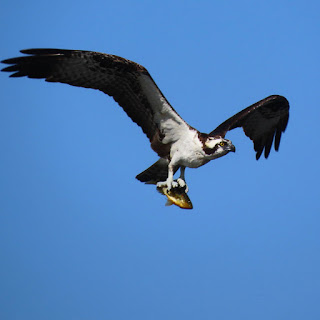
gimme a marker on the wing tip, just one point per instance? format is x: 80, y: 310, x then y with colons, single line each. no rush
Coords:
x: 43, y: 51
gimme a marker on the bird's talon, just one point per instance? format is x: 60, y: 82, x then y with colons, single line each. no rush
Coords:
x: 181, y: 182
x: 174, y: 184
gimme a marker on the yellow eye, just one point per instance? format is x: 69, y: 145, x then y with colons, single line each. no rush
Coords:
x: 221, y: 143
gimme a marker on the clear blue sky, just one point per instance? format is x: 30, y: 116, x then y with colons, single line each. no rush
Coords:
x: 82, y: 239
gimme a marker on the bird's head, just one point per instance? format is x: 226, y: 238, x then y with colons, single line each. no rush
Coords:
x: 218, y: 147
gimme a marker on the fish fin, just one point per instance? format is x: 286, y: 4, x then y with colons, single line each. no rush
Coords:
x: 169, y: 203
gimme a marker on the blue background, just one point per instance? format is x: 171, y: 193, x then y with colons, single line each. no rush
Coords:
x: 82, y: 239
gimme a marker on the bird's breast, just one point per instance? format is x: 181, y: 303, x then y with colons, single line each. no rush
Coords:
x: 189, y: 153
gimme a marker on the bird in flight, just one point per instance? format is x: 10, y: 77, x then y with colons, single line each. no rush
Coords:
x: 177, y: 144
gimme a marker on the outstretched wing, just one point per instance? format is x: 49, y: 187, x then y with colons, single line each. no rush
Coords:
x: 263, y: 122
x: 127, y: 82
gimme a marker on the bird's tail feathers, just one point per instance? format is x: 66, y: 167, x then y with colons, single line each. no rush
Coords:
x: 157, y: 172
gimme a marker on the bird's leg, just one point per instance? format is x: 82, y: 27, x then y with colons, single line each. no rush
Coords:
x: 181, y: 180
x: 169, y: 183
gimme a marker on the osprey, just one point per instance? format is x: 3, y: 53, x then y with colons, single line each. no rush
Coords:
x: 178, y: 144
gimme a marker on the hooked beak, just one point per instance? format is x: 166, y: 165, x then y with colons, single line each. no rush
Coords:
x: 232, y: 148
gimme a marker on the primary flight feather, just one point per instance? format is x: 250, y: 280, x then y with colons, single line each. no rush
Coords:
x: 178, y: 144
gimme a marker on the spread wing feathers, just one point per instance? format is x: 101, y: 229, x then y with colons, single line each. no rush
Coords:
x: 263, y: 122
x: 129, y: 83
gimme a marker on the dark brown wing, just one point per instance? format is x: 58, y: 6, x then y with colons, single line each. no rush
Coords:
x: 263, y: 122
x: 126, y: 81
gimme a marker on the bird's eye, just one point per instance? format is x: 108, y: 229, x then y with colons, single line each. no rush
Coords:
x: 221, y: 143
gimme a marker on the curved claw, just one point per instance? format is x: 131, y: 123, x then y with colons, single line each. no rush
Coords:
x: 168, y: 184
x: 182, y: 184
x: 179, y: 183
x: 174, y: 184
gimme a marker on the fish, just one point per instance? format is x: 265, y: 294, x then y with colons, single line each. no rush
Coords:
x: 176, y: 196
